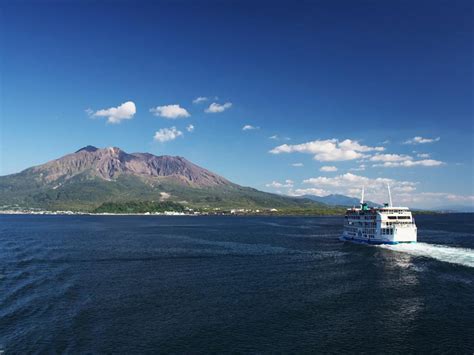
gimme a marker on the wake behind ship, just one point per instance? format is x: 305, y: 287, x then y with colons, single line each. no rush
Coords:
x: 382, y: 225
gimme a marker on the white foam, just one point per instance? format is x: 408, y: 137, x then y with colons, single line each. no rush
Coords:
x: 460, y: 256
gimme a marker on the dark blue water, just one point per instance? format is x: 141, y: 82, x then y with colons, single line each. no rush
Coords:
x: 90, y: 284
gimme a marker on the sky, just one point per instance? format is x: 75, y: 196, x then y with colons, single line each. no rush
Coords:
x: 291, y: 97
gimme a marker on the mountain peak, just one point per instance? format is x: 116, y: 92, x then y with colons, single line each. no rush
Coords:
x: 88, y: 148
x: 111, y: 162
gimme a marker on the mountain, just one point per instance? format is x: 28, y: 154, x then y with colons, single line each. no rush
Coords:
x: 339, y: 200
x: 90, y: 177
x: 110, y: 163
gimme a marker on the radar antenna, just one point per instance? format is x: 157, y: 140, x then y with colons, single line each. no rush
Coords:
x: 389, y: 196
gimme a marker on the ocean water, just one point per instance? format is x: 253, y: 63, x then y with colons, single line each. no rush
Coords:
x: 110, y: 284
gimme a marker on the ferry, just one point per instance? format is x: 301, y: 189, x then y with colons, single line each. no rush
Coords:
x: 379, y: 225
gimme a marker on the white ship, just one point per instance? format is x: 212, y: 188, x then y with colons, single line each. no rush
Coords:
x: 379, y: 225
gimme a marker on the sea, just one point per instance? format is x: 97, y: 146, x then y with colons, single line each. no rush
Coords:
x: 220, y: 284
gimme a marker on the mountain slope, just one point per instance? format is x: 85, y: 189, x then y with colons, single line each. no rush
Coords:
x: 110, y: 163
x: 91, y: 176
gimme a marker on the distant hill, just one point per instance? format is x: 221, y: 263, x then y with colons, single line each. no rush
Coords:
x: 455, y: 209
x: 339, y: 200
x: 90, y: 177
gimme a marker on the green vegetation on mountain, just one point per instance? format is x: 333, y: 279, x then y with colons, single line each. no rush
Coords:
x: 139, y: 207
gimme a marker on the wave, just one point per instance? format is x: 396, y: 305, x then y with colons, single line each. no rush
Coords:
x: 453, y: 255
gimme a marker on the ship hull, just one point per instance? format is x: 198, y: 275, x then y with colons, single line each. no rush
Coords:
x: 374, y: 241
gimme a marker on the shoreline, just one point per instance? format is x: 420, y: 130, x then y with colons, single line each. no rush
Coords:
x: 195, y: 214
x: 161, y: 214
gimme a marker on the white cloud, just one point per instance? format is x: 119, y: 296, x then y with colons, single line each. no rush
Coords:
x: 421, y: 140
x: 278, y: 138
x: 309, y: 191
x: 423, y: 155
x: 200, y: 99
x: 354, y: 145
x: 404, y: 193
x: 434, y: 199
x: 328, y: 169
x: 350, y: 184
x: 276, y: 184
x: 361, y: 167
x: 216, y: 108
x: 297, y: 165
x: 125, y: 111
x: 405, y: 161
x: 390, y: 157
x: 409, y: 163
x: 170, y: 111
x: 89, y: 111
x: 328, y: 150
x: 248, y: 127
x: 167, y: 134
x: 190, y: 128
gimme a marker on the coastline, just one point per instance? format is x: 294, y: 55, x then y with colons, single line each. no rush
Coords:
x: 166, y: 214
x: 197, y: 214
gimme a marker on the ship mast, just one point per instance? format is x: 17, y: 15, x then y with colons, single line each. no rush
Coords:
x: 389, y: 196
x: 362, y: 197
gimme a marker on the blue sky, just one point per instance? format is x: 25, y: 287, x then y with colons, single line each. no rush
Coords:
x: 337, y: 84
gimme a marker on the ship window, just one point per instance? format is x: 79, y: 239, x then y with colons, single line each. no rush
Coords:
x: 392, y: 217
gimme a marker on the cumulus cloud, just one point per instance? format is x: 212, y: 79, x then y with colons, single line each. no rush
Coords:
x: 328, y: 168
x: 421, y: 140
x: 329, y: 149
x: 433, y: 199
x: 167, y: 134
x: 390, y: 157
x: 190, y: 128
x: 276, y: 184
x: 200, y: 99
x: 248, y: 127
x: 309, y: 191
x: 404, y: 193
x: 170, y: 111
x: 409, y: 163
x: 405, y: 161
x: 297, y: 165
x: 361, y: 167
x: 351, y: 185
x: 278, y: 138
x: 423, y: 155
x: 443, y: 196
x: 216, y: 108
x: 125, y: 111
